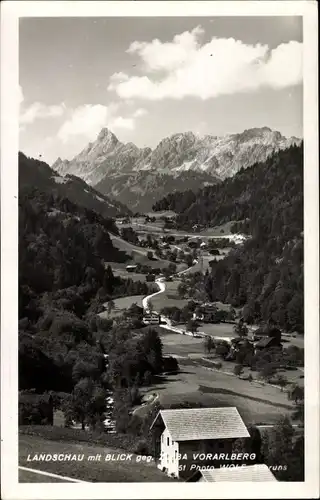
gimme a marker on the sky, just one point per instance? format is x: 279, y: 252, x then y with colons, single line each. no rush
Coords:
x: 148, y: 78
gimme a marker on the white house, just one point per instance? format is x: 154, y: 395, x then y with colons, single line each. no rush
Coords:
x: 151, y: 318
x: 131, y: 268
x: 185, y: 438
x: 245, y: 473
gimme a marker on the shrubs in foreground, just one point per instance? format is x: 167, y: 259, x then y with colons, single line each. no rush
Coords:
x: 127, y: 442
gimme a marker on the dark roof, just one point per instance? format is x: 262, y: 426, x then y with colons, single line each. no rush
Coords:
x: 265, y: 341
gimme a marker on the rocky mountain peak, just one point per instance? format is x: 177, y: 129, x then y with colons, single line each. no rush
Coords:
x: 129, y: 173
x: 107, y: 136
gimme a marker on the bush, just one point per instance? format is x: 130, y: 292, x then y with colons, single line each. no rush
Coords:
x: 222, y: 348
x: 147, y: 378
x: 170, y: 364
x: 238, y: 369
x: 142, y: 448
x: 126, y: 442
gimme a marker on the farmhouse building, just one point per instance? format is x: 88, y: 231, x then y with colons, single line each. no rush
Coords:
x: 185, y: 439
x: 267, y: 343
x: 131, y: 268
x: 151, y: 318
x: 247, y: 473
x: 206, y: 312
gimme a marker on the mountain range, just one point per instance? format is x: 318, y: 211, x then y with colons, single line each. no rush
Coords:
x: 138, y: 177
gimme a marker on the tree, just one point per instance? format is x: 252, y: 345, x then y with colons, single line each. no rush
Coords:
x: 238, y: 369
x: 298, y: 413
x: 231, y: 315
x: 122, y: 409
x: 222, y: 348
x: 280, y: 447
x: 182, y: 290
x: 150, y: 255
x: 281, y: 381
x: 147, y: 378
x: 87, y: 403
x: 296, y: 394
x: 241, y: 329
x: 110, y: 306
x: 192, y: 326
x: 208, y: 344
x: 266, y: 371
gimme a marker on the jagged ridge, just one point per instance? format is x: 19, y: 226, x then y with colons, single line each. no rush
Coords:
x: 181, y: 161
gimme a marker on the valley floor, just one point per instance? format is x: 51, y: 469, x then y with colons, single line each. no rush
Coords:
x: 257, y: 402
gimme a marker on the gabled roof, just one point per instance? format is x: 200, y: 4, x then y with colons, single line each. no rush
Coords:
x: 203, y: 423
x: 265, y: 341
x: 247, y: 473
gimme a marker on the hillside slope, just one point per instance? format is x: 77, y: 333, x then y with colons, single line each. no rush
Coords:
x: 35, y: 173
x: 266, y: 274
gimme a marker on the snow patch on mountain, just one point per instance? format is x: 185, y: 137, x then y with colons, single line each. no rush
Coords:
x: 59, y: 180
x: 121, y: 170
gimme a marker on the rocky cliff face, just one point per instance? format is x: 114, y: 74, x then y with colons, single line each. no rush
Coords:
x: 137, y: 176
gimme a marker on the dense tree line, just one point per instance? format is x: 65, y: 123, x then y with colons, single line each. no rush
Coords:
x: 63, y: 283
x: 265, y: 274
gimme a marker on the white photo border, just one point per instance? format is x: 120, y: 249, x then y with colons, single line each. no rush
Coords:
x: 11, y: 11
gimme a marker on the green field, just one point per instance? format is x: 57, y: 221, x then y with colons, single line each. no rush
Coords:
x: 138, y: 255
x: 221, y: 230
x: 216, y: 329
x: 257, y: 402
x: 86, y: 470
x: 165, y: 213
x: 169, y: 297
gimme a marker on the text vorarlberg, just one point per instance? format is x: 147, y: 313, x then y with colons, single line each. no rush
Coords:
x: 123, y: 457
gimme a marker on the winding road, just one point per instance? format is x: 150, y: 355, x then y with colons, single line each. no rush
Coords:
x: 166, y: 322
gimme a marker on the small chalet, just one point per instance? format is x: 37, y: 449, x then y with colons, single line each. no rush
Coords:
x: 187, y: 438
x: 151, y: 318
x: 131, y: 268
x: 246, y: 473
x: 207, y: 313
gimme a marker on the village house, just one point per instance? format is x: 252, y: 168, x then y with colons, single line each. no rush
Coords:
x: 267, y: 343
x: 131, y: 268
x: 206, y: 313
x: 247, y: 473
x: 151, y: 318
x: 239, y: 345
x: 187, y: 438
